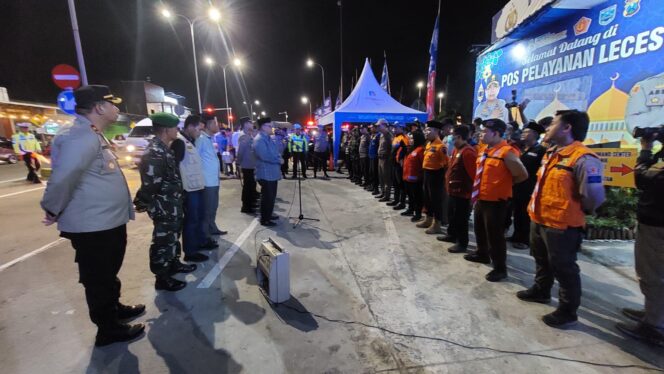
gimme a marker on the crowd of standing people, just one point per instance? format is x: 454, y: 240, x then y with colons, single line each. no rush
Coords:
x: 540, y: 177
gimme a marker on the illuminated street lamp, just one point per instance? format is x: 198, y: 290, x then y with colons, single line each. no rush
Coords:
x: 237, y: 63
x: 305, y: 100
x: 310, y: 64
x: 440, y: 101
x: 215, y: 16
x: 420, y: 84
x: 209, y: 62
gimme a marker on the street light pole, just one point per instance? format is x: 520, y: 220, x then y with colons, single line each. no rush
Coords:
x: 228, y: 113
x: 420, y: 84
x: 77, y: 42
x: 311, y: 63
x: 193, y: 47
x: 214, y: 15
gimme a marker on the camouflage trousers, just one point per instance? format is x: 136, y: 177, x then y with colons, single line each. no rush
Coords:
x: 165, y: 247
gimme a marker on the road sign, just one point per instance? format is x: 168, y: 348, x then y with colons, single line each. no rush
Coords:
x: 619, y: 165
x: 66, y: 101
x: 66, y: 76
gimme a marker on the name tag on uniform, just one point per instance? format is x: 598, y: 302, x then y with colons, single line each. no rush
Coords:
x: 532, y: 154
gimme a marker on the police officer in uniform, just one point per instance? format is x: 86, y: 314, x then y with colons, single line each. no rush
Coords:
x: 87, y: 182
x: 373, y: 160
x: 531, y: 158
x: 160, y: 195
x: 25, y: 144
x: 297, y: 147
x: 246, y: 161
x: 645, y: 107
x: 569, y: 186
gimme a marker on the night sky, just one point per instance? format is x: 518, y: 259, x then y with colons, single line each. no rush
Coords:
x: 129, y: 40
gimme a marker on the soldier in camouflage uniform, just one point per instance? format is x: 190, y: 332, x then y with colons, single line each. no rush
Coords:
x: 161, y: 196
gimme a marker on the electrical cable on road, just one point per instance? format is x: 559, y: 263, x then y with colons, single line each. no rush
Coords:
x: 452, y: 342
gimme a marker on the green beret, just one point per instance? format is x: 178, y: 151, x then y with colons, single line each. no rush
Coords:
x: 162, y: 119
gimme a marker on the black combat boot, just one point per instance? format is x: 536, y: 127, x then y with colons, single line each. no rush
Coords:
x: 167, y: 283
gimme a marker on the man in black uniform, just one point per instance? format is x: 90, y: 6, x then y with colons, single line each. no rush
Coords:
x: 531, y: 158
x: 365, y: 139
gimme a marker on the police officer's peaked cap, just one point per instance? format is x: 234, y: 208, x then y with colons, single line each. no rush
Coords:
x: 535, y: 127
x: 244, y: 120
x: 297, y: 126
x: 87, y: 96
x: 264, y: 120
x: 434, y: 124
x: 381, y: 121
x: 23, y: 124
x: 399, y: 124
x: 494, y: 124
x: 162, y: 119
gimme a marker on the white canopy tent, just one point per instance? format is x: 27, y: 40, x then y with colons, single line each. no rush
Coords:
x: 367, y: 103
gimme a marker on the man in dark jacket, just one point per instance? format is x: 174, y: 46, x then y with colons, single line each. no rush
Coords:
x: 531, y: 157
x: 365, y: 139
x: 384, y: 161
x: 459, y: 186
x: 373, y: 160
x: 246, y: 161
x: 649, y: 247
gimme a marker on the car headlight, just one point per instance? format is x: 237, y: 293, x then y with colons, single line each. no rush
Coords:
x: 131, y: 148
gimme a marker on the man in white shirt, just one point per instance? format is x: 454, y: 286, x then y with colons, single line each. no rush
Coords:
x: 210, y: 162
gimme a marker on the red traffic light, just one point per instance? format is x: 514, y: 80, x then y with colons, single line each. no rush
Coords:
x: 230, y: 117
x: 209, y: 110
x: 310, y: 123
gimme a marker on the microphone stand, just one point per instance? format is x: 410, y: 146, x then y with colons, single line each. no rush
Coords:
x: 301, y: 216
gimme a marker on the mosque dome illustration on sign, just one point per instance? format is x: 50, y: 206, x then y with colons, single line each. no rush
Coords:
x: 607, y: 117
x: 554, y: 106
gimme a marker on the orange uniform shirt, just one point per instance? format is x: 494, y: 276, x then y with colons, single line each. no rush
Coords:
x: 435, y: 156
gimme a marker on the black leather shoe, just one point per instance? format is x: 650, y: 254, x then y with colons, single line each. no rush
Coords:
x: 178, y: 267
x: 126, y: 312
x: 392, y: 203
x: 560, y: 319
x: 384, y: 199
x: 168, y: 284
x: 268, y: 223
x: 642, y: 331
x: 400, y: 207
x: 210, y: 244
x: 120, y: 333
x: 474, y: 257
x: 534, y: 295
x: 634, y: 314
x: 416, y: 218
x: 195, y: 257
x: 457, y: 248
x: 496, y: 276
x: 446, y: 239
x: 517, y: 245
x: 377, y: 193
x: 220, y: 232
x: 248, y: 211
x: 274, y: 218
x: 407, y: 213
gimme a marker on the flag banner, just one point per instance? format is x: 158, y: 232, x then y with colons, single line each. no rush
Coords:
x: 431, y: 80
x: 338, y: 102
x: 385, y: 78
x: 327, y: 106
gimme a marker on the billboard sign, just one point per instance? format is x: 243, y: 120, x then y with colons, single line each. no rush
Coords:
x: 607, y: 60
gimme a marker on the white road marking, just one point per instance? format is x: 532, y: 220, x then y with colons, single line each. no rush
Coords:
x: 20, y: 192
x: 390, y: 228
x: 226, y: 258
x: 33, y: 253
x: 12, y: 180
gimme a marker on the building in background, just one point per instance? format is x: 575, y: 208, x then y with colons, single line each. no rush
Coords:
x: 144, y: 98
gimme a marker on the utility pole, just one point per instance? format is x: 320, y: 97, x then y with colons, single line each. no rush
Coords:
x: 77, y: 41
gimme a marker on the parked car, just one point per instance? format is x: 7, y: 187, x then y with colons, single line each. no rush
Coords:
x: 5, y: 143
x: 137, y: 141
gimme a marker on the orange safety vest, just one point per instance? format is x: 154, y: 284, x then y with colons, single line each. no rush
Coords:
x: 496, y: 178
x: 556, y: 202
